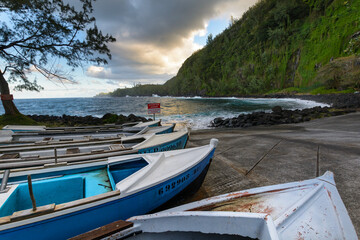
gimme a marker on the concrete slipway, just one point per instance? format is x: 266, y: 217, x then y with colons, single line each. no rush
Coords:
x: 260, y: 156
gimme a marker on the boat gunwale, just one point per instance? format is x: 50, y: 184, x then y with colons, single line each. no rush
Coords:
x: 89, y: 206
x: 201, y: 158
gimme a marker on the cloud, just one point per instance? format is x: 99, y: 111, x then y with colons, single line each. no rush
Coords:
x: 98, y: 72
x: 154, y: 37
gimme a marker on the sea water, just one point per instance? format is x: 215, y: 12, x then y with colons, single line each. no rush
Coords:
x: 194, y: 112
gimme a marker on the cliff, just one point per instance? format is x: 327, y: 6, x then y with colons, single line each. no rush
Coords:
x: 277, y: 46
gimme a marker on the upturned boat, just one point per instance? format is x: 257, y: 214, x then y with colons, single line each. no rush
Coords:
x: 59, y: 203
x: 29, y: 156
x: 310, y: 209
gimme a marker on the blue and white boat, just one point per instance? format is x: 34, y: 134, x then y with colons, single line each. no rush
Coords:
x: 28, y: 156
x: 75, y: 199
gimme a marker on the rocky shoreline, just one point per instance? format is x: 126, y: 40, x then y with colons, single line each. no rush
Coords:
x: 340, y: 104
x: 67, y: 120
x: 342, y: 100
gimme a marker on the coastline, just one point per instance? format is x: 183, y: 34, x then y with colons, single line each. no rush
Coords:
x: 340, y: 104
x: 200, y: 121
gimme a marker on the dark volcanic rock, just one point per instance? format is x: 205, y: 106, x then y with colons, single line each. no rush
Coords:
x: 340, y: 104
x: 278, y: 116
x: 87, y: 120
x: 277, y: 109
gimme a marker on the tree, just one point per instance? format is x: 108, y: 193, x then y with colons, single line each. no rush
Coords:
x: 36, y: 32
x: 209, y: 39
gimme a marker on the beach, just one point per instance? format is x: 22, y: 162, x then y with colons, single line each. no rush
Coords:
x: 267, y: 155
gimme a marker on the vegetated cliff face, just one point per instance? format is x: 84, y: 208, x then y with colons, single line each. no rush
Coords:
x: 277, y: 44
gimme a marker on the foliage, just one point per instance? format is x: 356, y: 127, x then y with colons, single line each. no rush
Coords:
x: 37, y: 33
x: 341, y: 73
x: 139, y: 90
x: 110, y: 118
x: 276, y: 45
x: 16, y: 120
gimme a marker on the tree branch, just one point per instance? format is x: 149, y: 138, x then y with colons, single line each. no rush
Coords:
x: 68, y: 44
x: 48, y: 74
x: 15, y: 43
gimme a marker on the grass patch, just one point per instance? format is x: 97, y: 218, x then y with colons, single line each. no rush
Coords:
x: 314, y: 90
x: 324, y: 90
x: 16, y: 120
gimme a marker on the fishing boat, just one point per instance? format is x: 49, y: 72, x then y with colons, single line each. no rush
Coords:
x: 33, y: 128
x: 310, y: 209
x: 17, y: 146
x: 22, y: 138
x: 58, y: 203
x: 30, y: 156
x: 9, y: 137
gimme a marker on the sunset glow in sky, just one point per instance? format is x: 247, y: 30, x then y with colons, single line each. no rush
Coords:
x: 154, y: 37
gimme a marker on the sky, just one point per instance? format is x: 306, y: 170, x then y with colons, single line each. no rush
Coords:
x: 154, y: 37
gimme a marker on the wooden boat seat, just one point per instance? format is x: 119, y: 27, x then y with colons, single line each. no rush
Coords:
x: 30, y: 157
x: 10, y: 155
x: 72, y: 150
x: 97, y: 151
x: 104, y: 231
x: 41, y: 143
x: 116, y: 147
x: 28, y: 213
x: 65, y: 139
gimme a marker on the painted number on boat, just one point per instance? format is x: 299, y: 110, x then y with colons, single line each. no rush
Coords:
x: 176, y: 183
x: 171, y: 146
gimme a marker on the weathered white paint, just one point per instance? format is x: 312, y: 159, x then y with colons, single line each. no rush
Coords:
x: 310, y: 209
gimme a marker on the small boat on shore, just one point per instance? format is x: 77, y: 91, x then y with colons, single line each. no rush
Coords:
x: 9, y: 137
x: 75, y: 199
x: 310, y: 209
x: 33, y: 128
x: 30, y: 156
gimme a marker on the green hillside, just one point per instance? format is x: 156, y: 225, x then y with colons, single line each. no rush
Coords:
x: 277, y: 46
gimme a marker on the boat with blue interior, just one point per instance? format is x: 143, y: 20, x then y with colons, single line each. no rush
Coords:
x: 61, y: 202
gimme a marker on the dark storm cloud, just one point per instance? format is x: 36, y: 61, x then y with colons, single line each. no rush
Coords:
x: 160, y: 22
x: 155, y: 36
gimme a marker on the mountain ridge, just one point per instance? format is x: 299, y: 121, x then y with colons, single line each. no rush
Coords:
x: 294, y: 46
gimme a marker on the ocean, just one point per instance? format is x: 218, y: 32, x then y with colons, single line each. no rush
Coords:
x: 194, y: 112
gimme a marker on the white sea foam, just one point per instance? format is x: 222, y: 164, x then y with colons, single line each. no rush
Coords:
x: 202, y: 120
x: 294, y: 102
